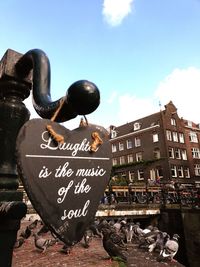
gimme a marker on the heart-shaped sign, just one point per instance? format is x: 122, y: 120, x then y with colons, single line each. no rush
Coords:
x: 64, y: 181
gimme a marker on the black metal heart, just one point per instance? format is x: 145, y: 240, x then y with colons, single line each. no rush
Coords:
x: 63, y: 181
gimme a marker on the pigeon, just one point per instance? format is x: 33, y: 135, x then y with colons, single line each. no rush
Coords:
x: 161, y: 239
x: 117, y: 225
x: 66, y: 249
x: 111, y: 222
x: 42, y: 243
x: 148, y: 229
x: 33, y: 225
x: 113, y: 245
x: 19, y: 242
x: 129, y: 232
x: 43, y: 230
x: 103, y: 223
x: 26, y: 233
x: 94, y: 229
x: 170, y: 249
x: 138, y: 232
x: 148, y: 238
x: 87, y: 238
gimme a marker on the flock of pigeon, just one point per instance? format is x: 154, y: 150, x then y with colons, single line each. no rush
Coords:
x: 117, y: 238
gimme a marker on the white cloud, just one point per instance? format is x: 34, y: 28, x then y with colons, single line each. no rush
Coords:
x: 132, y: 108
x: 182, y: 86
x: 114, y: 11
x: 29, y: 105
x: 112, y: 97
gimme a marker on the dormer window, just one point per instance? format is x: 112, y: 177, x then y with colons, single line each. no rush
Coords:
x: 136, y: 126
x: 113, y: 133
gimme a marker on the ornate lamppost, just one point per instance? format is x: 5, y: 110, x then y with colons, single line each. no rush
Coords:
x: 18, y: 75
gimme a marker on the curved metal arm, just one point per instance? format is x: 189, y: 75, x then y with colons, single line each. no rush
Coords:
x: 82, y: 97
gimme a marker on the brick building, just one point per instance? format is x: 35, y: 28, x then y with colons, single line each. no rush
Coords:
x: 161, y: 147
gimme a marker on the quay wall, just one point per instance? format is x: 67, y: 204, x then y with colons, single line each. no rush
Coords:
x: 186, y: 223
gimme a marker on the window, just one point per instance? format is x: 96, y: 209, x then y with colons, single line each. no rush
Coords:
x: 184, y: 154
x: 121, y: 146
x: 140, y: 174
x: 181, y: 138
x: 171, y: 152
x: 123, y: 175
x: 136, y: 126
x: 155, y: 137
x: 137, y: 141
x: 195, y: 153
x: 131, y: 176
x: 169, y: 135
x: 177, y: 153
x: 173, y: 122
x: 187, y: 172
x: 129, y: 144
x: 114, y: 148
x: 153, y: 174
x: 156, y: 153
x: 175, y: 136
x: 113, y: 133
x: 189, y: 123
x: 173, y: 171
x: 114, y: 161
x: 159, y: 172
x: 197, y: 169
x: 130, y: 158
x: 138, y: 156
x: 193, y: 137
x: 122, y: 160
x: 180, y: 171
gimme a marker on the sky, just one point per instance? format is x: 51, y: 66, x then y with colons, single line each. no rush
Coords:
x: 141, y: 54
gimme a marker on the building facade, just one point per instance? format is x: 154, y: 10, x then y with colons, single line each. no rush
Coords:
x: 159, y: 148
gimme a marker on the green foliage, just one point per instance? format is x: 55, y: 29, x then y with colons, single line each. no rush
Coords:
x: 120, y: 262
x: 139, y: 163
x: 120, y: 180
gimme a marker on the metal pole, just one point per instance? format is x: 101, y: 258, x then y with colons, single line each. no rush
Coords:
x: 13, y: 114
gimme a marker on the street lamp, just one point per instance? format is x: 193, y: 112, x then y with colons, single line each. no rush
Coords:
x: 19, y: 74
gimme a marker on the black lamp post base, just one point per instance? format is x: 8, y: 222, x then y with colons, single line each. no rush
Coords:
x: 11, y: 214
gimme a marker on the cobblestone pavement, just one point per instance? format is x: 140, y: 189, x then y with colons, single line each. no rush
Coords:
x: 29, y: 256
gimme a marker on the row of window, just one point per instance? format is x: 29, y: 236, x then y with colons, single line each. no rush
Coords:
x: 177, y: 153
x: 174, y: 153
x: 154, y: 174
x: 175, y: 136
x: 179, y: 137
x: 180, y: 171
x: 157, y: 173
x: 134, y: 157
x: 129, y: 143
x: 171, y: 136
